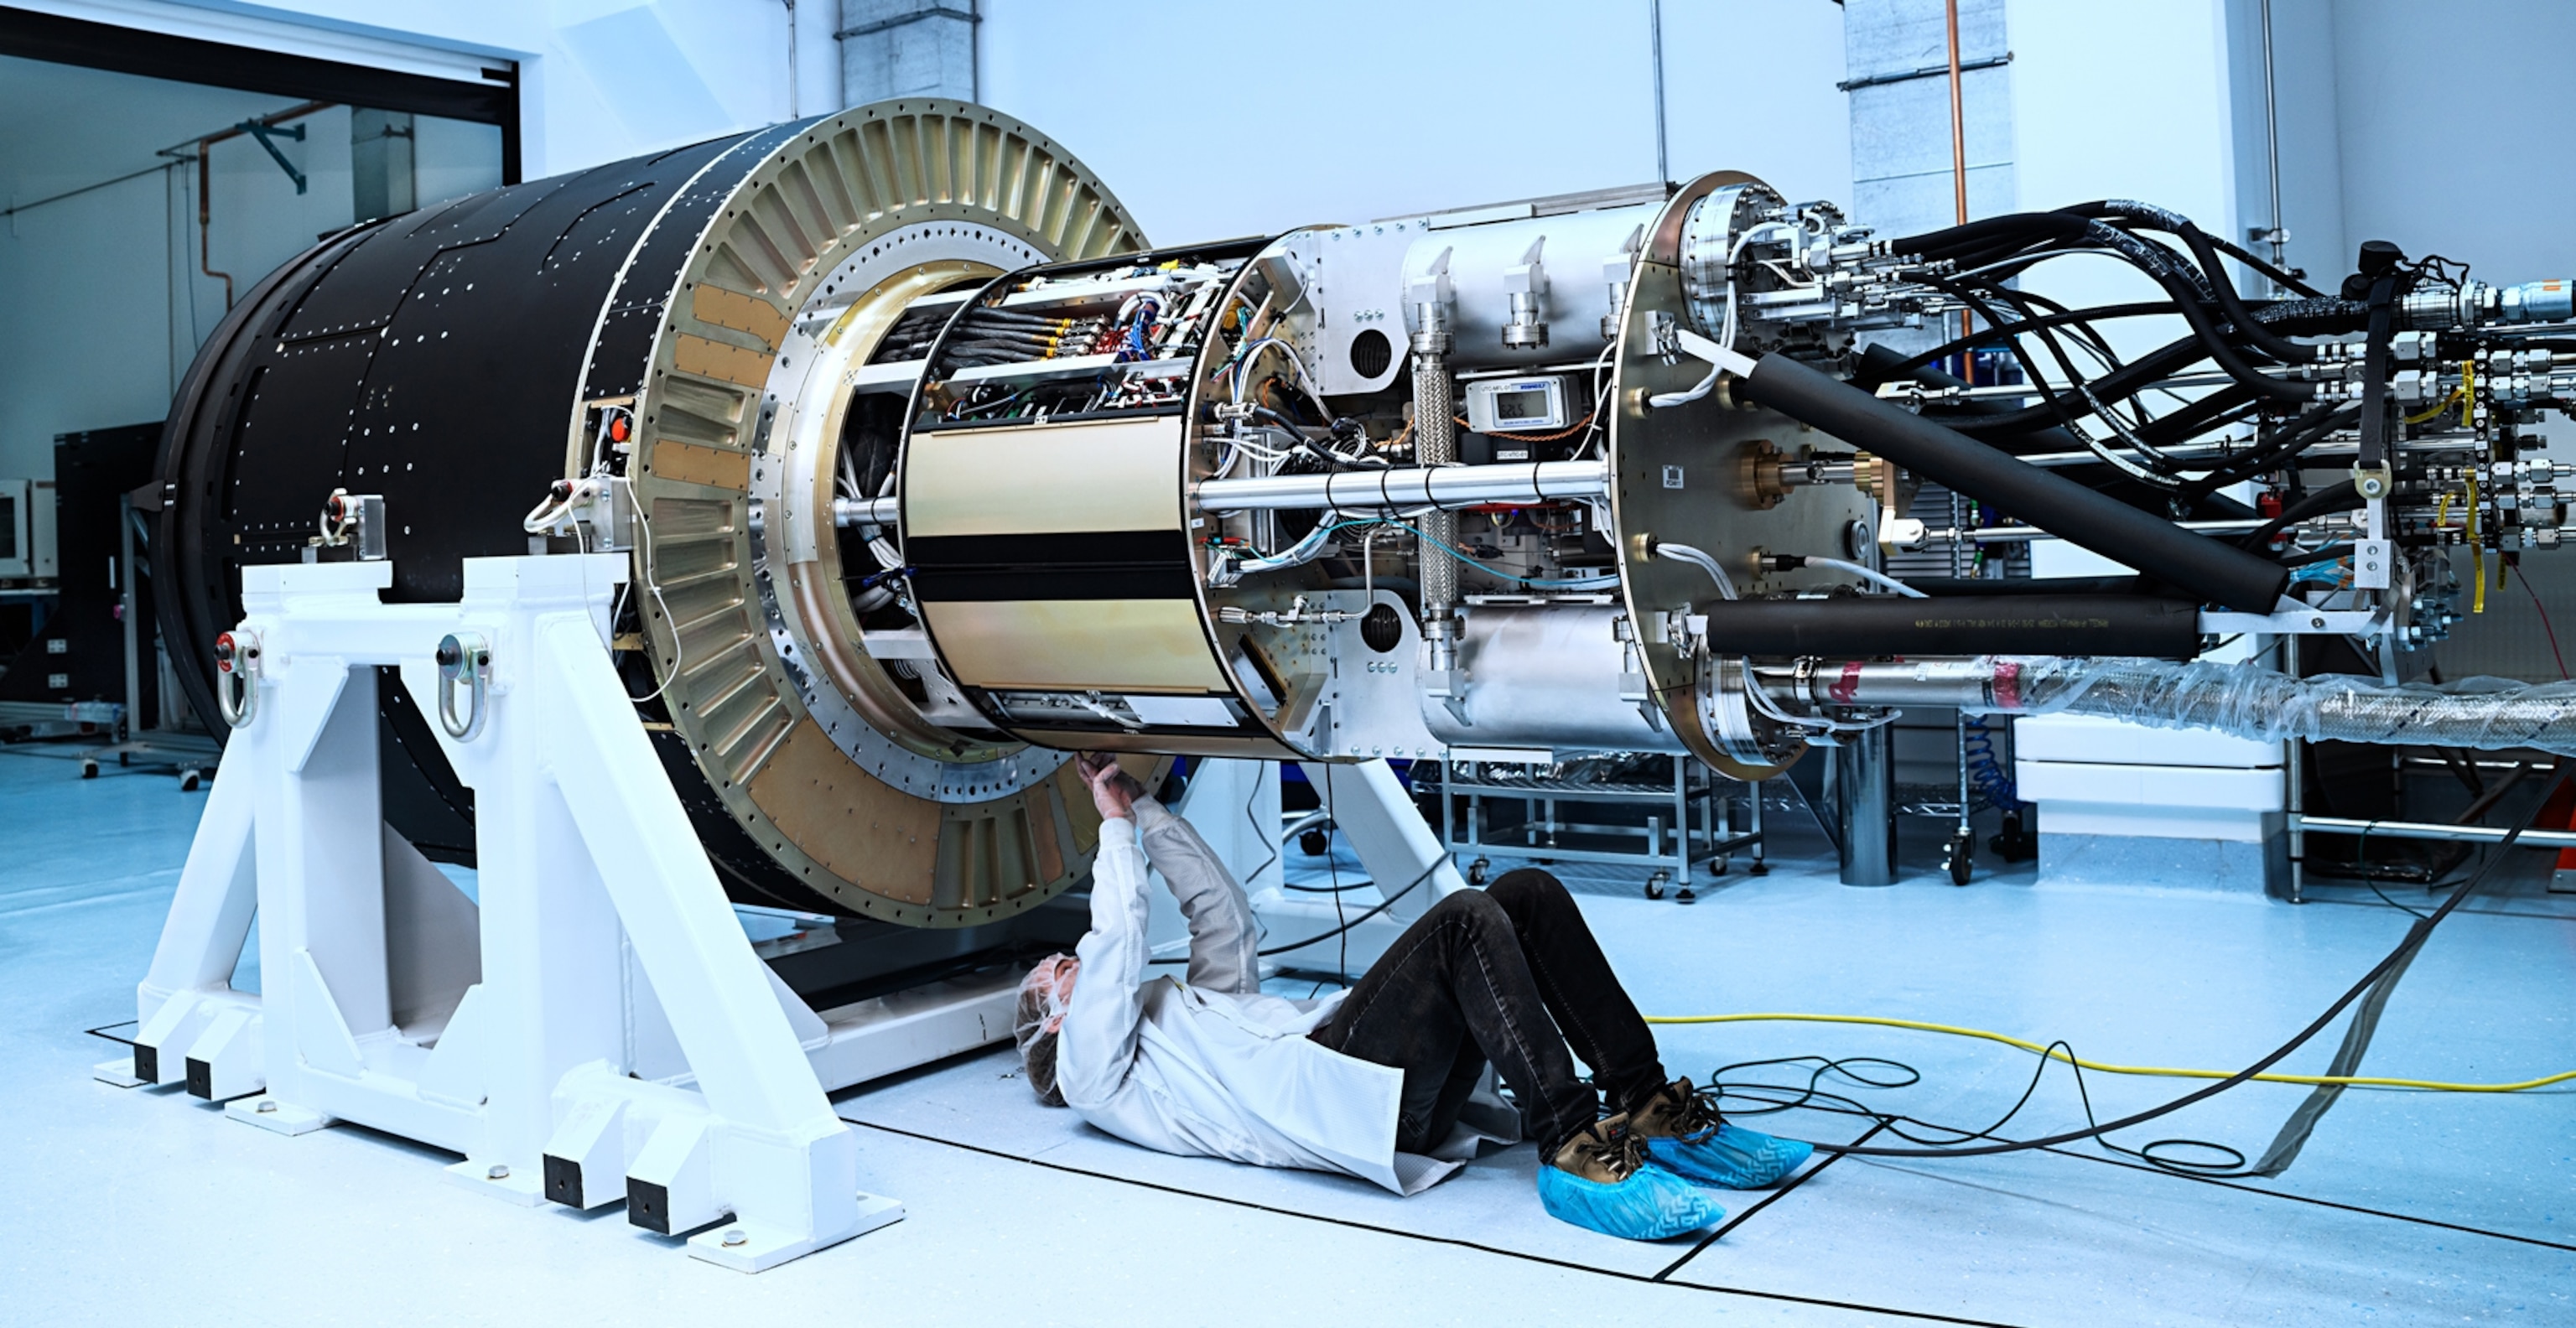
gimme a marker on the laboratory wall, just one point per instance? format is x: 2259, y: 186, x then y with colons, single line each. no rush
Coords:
x: 1236, y: 119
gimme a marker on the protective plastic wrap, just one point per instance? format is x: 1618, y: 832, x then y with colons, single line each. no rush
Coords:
x: 2254, y: 702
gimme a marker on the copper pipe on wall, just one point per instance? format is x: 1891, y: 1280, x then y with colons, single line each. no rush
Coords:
x: 205, y: 223
x: 1959, y: 172
x: 206, y: 181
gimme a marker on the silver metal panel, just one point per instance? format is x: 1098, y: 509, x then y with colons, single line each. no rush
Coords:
x: 1546, y: 676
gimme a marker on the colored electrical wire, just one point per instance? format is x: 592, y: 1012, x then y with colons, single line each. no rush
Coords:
x: 2055, y: 1051
x: 2552, y: 632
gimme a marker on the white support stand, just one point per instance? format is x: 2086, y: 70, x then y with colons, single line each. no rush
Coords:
x: 508, y: 1033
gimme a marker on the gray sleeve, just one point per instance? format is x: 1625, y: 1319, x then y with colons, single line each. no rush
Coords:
x: 1223, y: 937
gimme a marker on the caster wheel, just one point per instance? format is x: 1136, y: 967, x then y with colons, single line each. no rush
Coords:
x: 1961, y: 869
x: 1313, y: 843
x: 1717, y: 868
x: 1479, y: 871
x: 1654, y: 889
x: 189, y: 782
x: 123, y: 758
x: 1685, y: 896
x: 89, y: 769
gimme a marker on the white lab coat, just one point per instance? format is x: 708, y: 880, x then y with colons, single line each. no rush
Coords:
x: 1214, y: 1067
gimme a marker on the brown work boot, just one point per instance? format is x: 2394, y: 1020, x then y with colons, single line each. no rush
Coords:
x: 1605, y: 1152
x: 1601, y: 1180
x: 1682, y: 1132
x: 1678, y: 1110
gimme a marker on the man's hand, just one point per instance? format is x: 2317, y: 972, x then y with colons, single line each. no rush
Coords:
x: 1113, y: 790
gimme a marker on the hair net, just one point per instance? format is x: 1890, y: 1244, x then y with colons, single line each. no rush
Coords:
x: 1035, y: 1018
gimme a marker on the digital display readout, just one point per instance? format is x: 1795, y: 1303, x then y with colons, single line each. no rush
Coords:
x: 1517, y: 406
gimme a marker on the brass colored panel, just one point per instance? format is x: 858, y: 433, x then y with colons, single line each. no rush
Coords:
x: 694, y: 354
x: 1045, y: 479
x: 1043, y: 832
x: 742, y: 313
x: 1111, y: 644
x: 688, y: 463
x: 881, y: 840
x: 841, y: 183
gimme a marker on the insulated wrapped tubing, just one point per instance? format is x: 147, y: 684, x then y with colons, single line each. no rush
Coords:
x: 2215, y: 573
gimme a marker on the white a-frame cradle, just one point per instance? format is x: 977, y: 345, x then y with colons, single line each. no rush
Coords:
x: 510, y: 1033
x: 599, y: 1028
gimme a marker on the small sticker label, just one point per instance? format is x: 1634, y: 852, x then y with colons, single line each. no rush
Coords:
x: 1672, y: 477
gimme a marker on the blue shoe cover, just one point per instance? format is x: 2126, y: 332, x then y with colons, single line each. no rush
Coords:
x: 1651, y: 1204
x: 1730, y: 1156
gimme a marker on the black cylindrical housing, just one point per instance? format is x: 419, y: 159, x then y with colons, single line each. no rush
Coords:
x: 2179, y: 558
x: 1951, y: 586
x: 1871, y: 625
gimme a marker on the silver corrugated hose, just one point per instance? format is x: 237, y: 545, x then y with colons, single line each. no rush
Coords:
x: 2252, y: 702
x: 1435, y: 443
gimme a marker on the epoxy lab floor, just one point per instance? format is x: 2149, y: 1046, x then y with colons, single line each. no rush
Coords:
x: 2404, y: 1207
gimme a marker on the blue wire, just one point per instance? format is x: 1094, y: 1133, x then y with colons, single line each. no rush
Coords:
x: 1985, y: 768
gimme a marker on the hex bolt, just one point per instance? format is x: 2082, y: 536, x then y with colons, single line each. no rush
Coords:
x: 266, y: 1105
x: 497, y: 1171
x: 734, y: 1236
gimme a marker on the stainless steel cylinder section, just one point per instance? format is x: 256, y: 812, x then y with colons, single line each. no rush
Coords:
x: 1864, y: 796
x: 1578, y: 258
x: 1546, y: 675
x: 1923, y: 682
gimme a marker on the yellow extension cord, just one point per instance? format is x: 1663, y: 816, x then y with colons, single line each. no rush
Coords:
x: 2159, y: 1071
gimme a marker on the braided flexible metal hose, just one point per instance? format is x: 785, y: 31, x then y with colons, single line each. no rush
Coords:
x: 2250, y: 702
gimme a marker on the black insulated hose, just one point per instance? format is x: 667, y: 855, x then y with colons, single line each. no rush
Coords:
x: 1866, y: 625
x: 2204, y: 568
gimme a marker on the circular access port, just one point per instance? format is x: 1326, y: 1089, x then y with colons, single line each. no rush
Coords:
x: 1382, y: 628
x: 1371, y: 352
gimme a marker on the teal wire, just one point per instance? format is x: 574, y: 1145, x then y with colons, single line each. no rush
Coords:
x: 1560, y: 582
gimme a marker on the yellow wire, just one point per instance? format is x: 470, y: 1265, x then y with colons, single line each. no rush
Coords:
x: 2156, y: 1071
x: 2477, y: 551
x: 2468, y: 394
x: 2438, y: 407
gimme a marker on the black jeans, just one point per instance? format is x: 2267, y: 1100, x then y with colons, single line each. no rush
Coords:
x: 1479, y: 977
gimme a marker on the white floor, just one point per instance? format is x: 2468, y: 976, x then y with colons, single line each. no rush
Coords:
x: 118, y: 1205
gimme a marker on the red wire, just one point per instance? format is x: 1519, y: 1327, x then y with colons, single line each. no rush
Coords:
x: 2544, y: 626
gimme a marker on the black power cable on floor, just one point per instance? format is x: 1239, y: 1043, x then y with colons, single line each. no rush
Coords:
x: 2283, y: 1147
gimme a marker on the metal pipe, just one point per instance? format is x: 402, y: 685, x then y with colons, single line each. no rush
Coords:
x: 847, y: 512
x: 1410, y: 486
x: 2016, y: 534
x: 206, y: 181
x: 205, y: 223
x: 1959, y: 172
x: 1655, y: 38
x: 2294, y: 786
x: 1865, y: 801
x: 2278, y: 236
x: 2462, y: 834
x: 1435, y: 444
